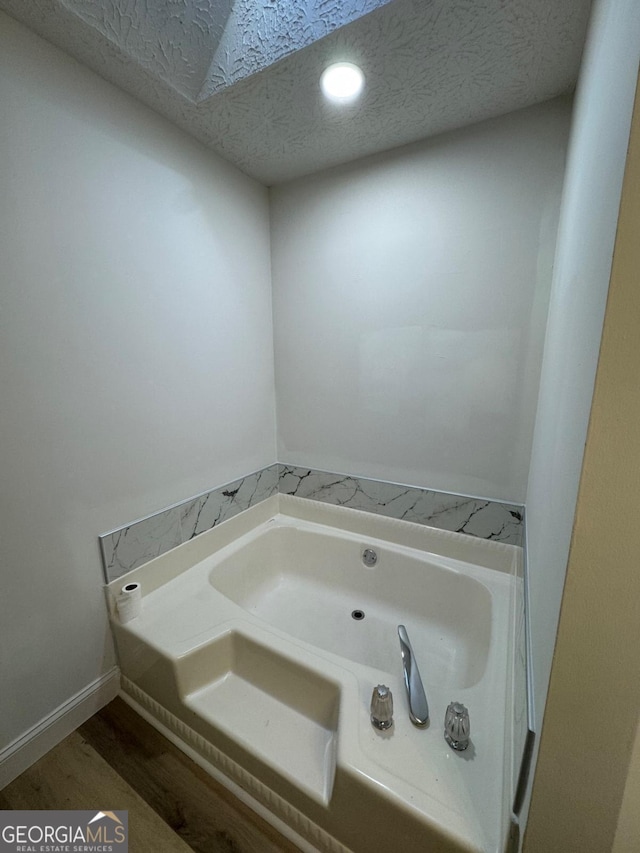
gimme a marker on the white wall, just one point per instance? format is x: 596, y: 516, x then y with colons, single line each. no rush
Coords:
x: 136, y: 360
x: 410, y: 295
x: 591, y: 198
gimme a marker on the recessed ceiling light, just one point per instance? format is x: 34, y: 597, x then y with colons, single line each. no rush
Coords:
x: 342, y: 82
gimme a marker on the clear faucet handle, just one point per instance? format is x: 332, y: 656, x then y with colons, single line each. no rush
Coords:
x: 456, y: 726
x: 382, y: 707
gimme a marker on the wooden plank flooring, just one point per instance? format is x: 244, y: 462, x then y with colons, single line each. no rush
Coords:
x: 116, y: 760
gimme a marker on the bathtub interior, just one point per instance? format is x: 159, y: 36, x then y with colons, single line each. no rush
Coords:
x: 314, y: 585
x: 248, y: 640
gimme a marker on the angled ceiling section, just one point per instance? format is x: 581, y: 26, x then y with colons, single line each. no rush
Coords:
x: 172, y: 40
x: 261, y: 32
x: 200, y: 47
x: 243, y: 77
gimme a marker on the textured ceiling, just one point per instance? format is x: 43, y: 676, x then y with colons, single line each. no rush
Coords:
x: 243, y: 77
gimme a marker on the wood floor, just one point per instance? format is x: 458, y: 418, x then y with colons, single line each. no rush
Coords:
x: 115, y: 761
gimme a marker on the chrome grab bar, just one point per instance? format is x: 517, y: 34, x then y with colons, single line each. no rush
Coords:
x: 418, y: 707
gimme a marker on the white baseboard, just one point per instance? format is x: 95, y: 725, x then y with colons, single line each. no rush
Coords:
x: 38, y: 740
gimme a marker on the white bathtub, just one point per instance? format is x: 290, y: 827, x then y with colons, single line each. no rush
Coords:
x: 247, y: 654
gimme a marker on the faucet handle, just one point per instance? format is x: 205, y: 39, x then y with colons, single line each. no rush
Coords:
x: 382, y: 707
x: 456, y: 726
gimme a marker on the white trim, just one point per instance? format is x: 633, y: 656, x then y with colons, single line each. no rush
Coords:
x: 38, y: 740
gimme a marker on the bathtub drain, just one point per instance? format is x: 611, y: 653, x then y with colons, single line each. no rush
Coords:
x: 357, y: 614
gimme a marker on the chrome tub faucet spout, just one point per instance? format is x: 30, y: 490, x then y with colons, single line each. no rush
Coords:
x: 418, y: 706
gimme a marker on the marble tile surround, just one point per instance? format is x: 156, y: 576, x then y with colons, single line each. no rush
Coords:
x: 474, y: 516
x: 137, y: 543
